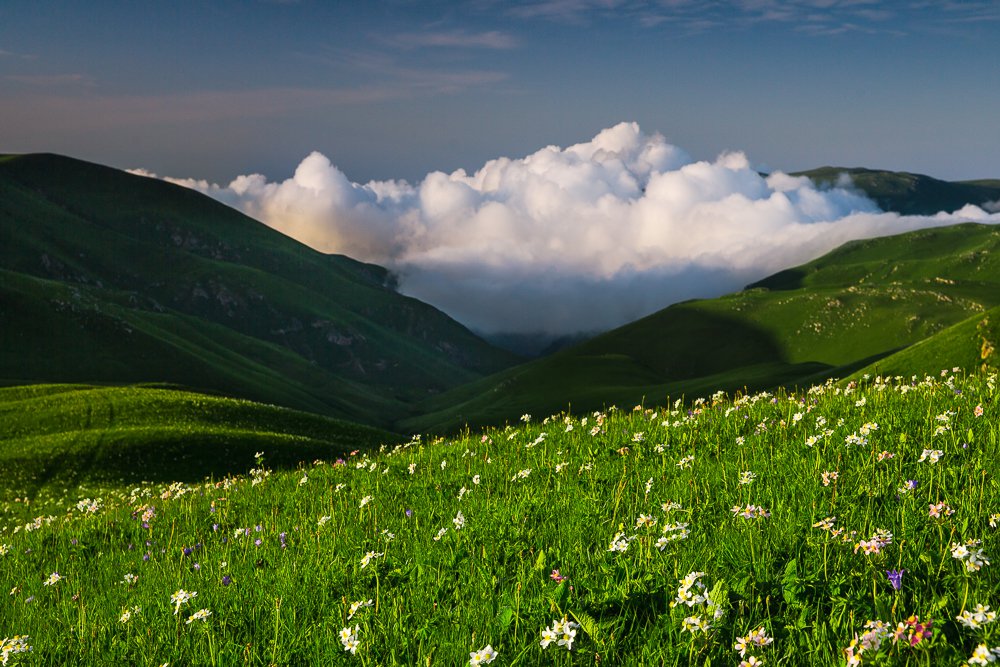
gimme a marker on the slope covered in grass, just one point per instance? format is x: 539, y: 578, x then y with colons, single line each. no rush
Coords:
x: 826, y: 318
x: 761, y: 526
x: 62, y: 436
x: 170, y: 280
x: 969, y: 344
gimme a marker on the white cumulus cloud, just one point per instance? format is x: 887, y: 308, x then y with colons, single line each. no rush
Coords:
x: 582, y: 238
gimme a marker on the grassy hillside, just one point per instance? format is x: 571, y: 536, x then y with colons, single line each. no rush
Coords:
x: 969, y: 344
x: 54, y: 437
x: 808, y: 529
x: 826, y: 318
x: 910, y: 194
x: 173, y: 281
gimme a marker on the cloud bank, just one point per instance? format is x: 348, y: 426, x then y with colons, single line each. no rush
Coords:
x: 573, y: 239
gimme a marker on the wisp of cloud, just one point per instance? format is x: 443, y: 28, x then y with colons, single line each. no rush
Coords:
x: 573, y: 239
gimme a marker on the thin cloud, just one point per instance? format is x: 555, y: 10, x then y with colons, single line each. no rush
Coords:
x: 51, y: 80
x: 492, y: 39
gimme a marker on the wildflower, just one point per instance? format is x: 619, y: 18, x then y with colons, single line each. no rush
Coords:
x: 619, y: 543
x: 556, y: 577
x: 483, y: 656
x: 825, y: 524
x: 358, y: 606
x: 645, y: 520
x: 940, y: 510
x: 649, y: 485
x: 349, y: 638
x: 752, y: 661
x: 912, y: 631
x: 129, y: 579
x: 459, y: 521
x: 895, y: 578
x: 476, y: 479
x: 976, y: 618
x: 911, y: 485
x: 367, y: 558
x: 180, y: 597
x: 562, y: 632
x: 13, y: 646
x: 932, y: 455
x: 983, y: 655
x: 756, y: 638
x: 128, y: 613
x: 830, y: 476
x: 695, y: 624
x: 322, y: 521
x: 972, y: 558
x: 750, y: 512
x: 885, y: 455
x: 978, y: 411
x: 686, y: 462
x: 440, y: 534
x: 412, y: 468
x: 747, y: 477
x: 365, y: 501
x: 880, y: 540
x: 444, y: 463
x: 199, y: 615
x: 994, y: 520
x: 53, y: 579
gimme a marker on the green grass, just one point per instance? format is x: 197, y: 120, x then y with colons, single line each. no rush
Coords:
x: 278, y: 559
x: 860, y: 303
x: 65, y: 436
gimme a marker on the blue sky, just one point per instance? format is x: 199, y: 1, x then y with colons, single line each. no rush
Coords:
x: 398, y: 88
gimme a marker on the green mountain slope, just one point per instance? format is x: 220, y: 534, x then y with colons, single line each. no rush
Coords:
x: 910, y: 194
x: 970, y: 344
x: 65, y: 435
x: 829, y: 317
x: 114, y: 277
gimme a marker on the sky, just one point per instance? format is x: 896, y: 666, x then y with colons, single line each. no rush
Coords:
x: 549, y: 165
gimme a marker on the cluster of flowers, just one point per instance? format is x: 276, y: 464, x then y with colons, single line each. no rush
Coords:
x: 483, y: 656
x: 908, y: 633
x: 671, y: 533
x: 349, y: 638
x: 756, y: 639
x: 973, y: 558
x: 14, y: 645
x: 750, y: 512
x: 880, y: 540
x: 562, y: 632
x: 983, y: 655
x: 692, y: 592
x: 977, y: 618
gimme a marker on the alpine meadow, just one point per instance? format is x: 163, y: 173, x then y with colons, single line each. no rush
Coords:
x: 535, y: 333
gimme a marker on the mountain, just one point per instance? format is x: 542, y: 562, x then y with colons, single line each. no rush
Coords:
x: 910, y: 194
x: 829, y: 317
x: 110, y: 277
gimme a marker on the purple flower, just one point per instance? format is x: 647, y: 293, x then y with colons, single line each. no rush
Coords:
x: 409, y: 513
x: 226, y: 580
x: 215, y: 527
x: 895, y: 578
x: 187, y: 551
x: 911, y: 484
x: 258, y: 541
x: 146, y: 556
x: 197, y: 566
